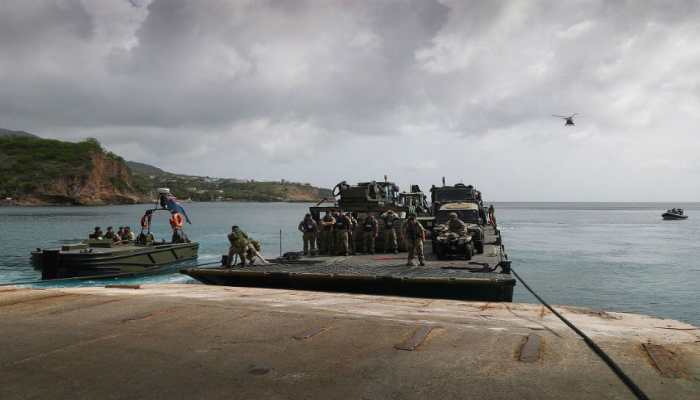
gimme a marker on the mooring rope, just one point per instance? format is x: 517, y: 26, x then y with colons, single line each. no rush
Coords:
x: 591, y: 344
x: 83, y: 278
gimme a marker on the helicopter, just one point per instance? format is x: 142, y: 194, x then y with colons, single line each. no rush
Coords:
x: 569, y: 120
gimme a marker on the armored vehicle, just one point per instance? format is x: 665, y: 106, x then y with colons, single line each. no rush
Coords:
x: 415, y: 202
x: 367, y: 196
x: 459, y: 193
x: 376, y: 198
x: 467, y: 213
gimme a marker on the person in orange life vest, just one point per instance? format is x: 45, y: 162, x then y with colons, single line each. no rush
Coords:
x: 176, y: 222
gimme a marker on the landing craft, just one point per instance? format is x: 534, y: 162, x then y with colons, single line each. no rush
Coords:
x: 569, y: 120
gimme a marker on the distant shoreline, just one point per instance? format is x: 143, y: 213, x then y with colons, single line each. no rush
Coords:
x: 514, y: 204
x: 35, y: 205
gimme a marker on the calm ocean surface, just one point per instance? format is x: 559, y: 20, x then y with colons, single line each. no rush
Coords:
x: 612, y: 256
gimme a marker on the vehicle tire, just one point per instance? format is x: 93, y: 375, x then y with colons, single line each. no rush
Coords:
x: 439, y: 252
x: 469, y: 251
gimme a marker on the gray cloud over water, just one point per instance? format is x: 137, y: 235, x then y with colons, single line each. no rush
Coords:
x: 321, y: 91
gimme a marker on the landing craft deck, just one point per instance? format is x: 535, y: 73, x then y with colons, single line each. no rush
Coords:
x: 484, y: 277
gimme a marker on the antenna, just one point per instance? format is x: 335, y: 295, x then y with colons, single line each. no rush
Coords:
x: 443, y: 181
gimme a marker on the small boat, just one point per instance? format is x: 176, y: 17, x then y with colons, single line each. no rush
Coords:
x: 673, y: 214
x: 103, y: 257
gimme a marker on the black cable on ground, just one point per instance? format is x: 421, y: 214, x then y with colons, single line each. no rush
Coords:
x: 609, y: 361
x: 84, y: 278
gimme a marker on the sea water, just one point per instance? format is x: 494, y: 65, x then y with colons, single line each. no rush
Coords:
x: 610, y: 256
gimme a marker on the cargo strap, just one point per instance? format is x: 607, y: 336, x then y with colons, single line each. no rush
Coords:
x: 591, y: 344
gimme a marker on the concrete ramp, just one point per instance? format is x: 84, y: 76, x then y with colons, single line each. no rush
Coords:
x: 210, y: 342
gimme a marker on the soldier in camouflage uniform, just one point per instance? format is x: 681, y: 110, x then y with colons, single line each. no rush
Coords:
x: 370, y: 231
x: 252, y: 251
x: 390, y: 219
x: 414, y: 234
x: 351, y: 232
x: 239, y: 245
x: 308, y: 229
x: 342, y: 232
x: 326, y: 234
x: 454, y: 224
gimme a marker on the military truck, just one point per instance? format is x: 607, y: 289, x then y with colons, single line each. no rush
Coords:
x: 467, y: 213
x: 459, y: 193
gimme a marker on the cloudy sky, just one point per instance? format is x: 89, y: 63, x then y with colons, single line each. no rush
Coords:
x: 320, y: 91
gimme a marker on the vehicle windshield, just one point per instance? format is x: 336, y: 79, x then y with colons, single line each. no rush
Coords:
x: 468, y: 216
x: 453, y: 194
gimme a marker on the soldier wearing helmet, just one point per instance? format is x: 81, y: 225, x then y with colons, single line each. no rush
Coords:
x: 390, y: 219
x: 370, y: 231
x: 414, y: 234
x: 454, y: 224
x: 239, y: 245
x: 353, y: 233
x: 308, y: 228
x: 342, y: 228
x: 326, y: 235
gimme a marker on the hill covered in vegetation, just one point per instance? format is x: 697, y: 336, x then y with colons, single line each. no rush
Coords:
x: 44, y: 171
x: 205, y: 188
x: 36, y: 171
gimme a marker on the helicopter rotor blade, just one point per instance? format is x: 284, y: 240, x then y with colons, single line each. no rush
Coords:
x: 559, y: 116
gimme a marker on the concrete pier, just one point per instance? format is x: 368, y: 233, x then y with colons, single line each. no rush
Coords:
x: 209, y: 342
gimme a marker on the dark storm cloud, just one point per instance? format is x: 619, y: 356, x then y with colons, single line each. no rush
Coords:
x: 271, y: 83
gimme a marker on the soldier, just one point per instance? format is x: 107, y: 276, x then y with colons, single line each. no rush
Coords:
x: 176, y: 222
x: 454, y: 224
x: 239, y: 245
x: 351, y: 232
x: 390, y: 218
x: 492, y: 215
x: 97, y: 234
x: 326, y: 234
x: 110, y: 234
x: 370, y: 231
x: 342, y: 232
x: 128, y: 234
x: 253, y: 251
x: 308, y: 228
x: 414, y: 234
x: 145, y: 238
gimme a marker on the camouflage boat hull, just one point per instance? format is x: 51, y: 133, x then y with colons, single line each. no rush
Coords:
x: 136, y: 259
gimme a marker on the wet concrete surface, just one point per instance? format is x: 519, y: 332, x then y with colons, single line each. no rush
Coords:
x: 196, y: 341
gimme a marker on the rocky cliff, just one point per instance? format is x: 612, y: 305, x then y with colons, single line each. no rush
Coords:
x: 106, y: 181
x: 38, y: 171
